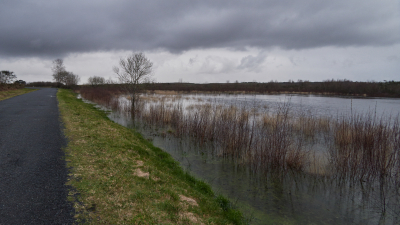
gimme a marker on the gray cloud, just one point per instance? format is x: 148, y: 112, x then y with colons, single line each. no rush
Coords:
x: 54, y: 28
x: 392, y: 58
x: 252, y: 63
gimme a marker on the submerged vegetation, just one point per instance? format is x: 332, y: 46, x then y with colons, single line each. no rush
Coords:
x: 119, y: 178
x: 361, y: 151
x: 358, y: 146
x: 365, y: 147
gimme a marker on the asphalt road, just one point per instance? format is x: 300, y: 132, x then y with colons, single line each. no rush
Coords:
x: 32, y: 168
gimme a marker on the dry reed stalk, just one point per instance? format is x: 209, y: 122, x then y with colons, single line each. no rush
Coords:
x: 364, y: 147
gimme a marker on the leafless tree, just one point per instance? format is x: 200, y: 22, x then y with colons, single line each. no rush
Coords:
x: 60, y: 75
x: 59, y: 72
x: 7, y: 77
x: 133, y: 71
x: 110, y: 81
x: 71, y: 79
x: 95, y: 80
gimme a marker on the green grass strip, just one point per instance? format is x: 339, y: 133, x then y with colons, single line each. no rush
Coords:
x: 12, y: 93
x: 118, y: 177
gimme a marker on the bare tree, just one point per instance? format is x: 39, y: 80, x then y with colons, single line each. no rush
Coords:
x: 110, y: 81
x: 133, y: 71
x: 61, y: 76
x: 7, y: 77
x: 71, y: 79
x: 59, y: 72
x: 95, y: 80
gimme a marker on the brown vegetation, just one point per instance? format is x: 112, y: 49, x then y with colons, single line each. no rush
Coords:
x: 360, y: 147
x: 7, y: 87
x: 366, y: 147
x: 328, y: 87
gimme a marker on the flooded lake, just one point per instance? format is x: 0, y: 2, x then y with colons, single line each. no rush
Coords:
x: 319, y: 105
x: 285, y: 198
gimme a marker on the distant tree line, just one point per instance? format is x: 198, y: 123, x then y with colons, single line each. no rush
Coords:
x: 44, y: 84
x: 96, y: 80
x: 134, y: 75
x: 327, y: 87
x: 332, y: 87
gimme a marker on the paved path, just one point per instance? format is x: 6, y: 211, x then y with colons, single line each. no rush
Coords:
x: 32, y: 169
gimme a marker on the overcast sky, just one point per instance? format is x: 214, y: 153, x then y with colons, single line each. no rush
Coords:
x: 205, y: 41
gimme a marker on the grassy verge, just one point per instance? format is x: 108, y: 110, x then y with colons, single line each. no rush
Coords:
x: 12, y: 93
x: 120, y: 178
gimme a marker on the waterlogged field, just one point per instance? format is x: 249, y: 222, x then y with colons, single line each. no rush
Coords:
x: 284, y: 159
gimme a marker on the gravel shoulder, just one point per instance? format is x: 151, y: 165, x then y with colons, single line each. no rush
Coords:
x: 33, y: 170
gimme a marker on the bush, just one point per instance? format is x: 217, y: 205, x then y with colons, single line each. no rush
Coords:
x: 6, y: 87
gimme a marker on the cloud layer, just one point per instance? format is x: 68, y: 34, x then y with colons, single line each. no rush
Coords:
x: 56, y: 28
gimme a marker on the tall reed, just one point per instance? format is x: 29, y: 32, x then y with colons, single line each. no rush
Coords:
x: 365, y: 147
x: 262, y: 141
x: 102, y: 96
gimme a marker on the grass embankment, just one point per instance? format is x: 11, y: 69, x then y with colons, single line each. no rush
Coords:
x: 121, y: 178
x: 12, y: 93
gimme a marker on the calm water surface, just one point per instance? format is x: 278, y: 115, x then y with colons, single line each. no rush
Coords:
x: 319, y: 105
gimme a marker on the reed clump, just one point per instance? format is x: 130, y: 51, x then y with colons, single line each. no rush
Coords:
x: 104, y: 96
x: 365, y: 147
x: 262, y: 141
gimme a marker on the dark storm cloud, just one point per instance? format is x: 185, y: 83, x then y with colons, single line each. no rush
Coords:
x: 50, y: 28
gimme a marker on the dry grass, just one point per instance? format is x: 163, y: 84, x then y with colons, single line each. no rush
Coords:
x: 12, y: 93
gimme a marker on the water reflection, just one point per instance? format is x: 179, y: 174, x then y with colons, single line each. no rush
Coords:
x: 326, y: 106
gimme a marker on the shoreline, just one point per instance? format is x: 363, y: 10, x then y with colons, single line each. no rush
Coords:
x: 118, y: 176
x: 325, y: 94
